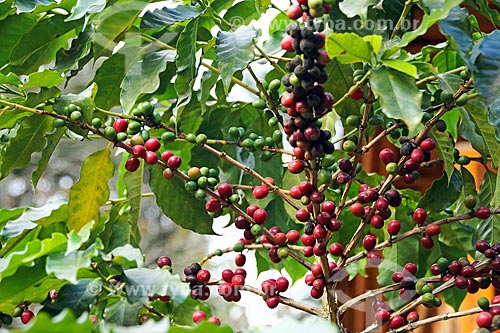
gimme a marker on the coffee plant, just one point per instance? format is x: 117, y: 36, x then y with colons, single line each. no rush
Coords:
x: 308, y: 136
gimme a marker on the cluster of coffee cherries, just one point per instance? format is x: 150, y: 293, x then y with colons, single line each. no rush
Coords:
x: 200, y: 316
x: 471, y: 276
x: 316, y: 279
x: 416, y: 155
x: 488, y: 320
x: 305, y: 99
x: 233, y: 281
x: 272, y: 288
x: 383, y: 315
x: 197, y: 277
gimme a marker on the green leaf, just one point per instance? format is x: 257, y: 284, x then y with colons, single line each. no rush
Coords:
x: 402, y: 66
x: 186, y: 64
x: 454, y: 297
x: 85, y: 7
x: 487, y: 189
x: 242, y: 13
x: 30, y: 138
x: 445, y: 149
x: 339, y: 82
x: 133, y: 183
x: 262, y: 5
x: 40, y: 45
x: 478, y: 113
x: 195, y: 218
x: 7, y: 215
x: 76, y: 297
x: 10, y: 117
x: 91, y: 191
x: 436, y: 14
x: 47, y: 78
x: 12, y: 29
x: 128, y: 256
x: 487, y: 70
x: 79, y: 49
x: 143, y: 77
x: 65, y: 266
x: 234, y: 52
x: 52, y: 142
x: 29, y: 219
x: 169, y: 15
x: 33, y: 250
x: 489, y: 229
x: 442, y: 193
x: 112, y: 22
x: 399, y: 96
x: 142, y: 282
x: 62, y: 323
x: 349, y: 48
x: 352, y: 8
x: 458, y: 30
x: 123, y: 313
x: 28, y: 5
x: 77, y: 239
x: 10, y: 78
x: 28, y: 283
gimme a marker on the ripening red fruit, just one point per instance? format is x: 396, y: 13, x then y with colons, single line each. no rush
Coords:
x: 152, y: 144
x: 132, y: 164
x: 260, y: 216
x: 240, y: 259
x: 317, y: 271
x: 295, y: 192
x: 227, y: 275
x: 269, y: 287
x: 203, y: 276
x: 328, y: 207
x: 302, y: 215
x: 282, y: 284
x: 381, y: 204
x: 294, y: 12
x: 410, y: 268
x: 120, y: 125
x: 174, y: 162
x: 357, y: 210
x: 199, y: 316
x: 214, y: 320
x: 419, y: 215
x: 151, y: 158
x: 427, y: 144
x: 273, y: 301
x: 292, y: 236
x: 482, y: 213
x: 393, y: 227
x: 357, y: 94
x: 164, y: 261
x: 369, y: 242
x: 225, y: 190
x: 295, y: 167
x: 396, y: 322
x: 374, y: 258
x: 26, y: 316
x: 432, y: 230
x: 306, y: 187
x: 138, y: 151
x: 308, y: 240
x: 251, y: 209
x: 287, y: 45
x: 427, y: 242
x: 260, y: 192
x: 397, y: 277
x: 323, y: 59
x: 336, y: 249
x: 382, y: 316
x: 213, y: 205
x: 238, y: 280
x: 484, y: 319
x: 387, y: 156
x: 417, y: 156
x: 166, y: 155
x: 412, y: 316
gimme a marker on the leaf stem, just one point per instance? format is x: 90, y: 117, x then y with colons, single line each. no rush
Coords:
x: 274, y: 64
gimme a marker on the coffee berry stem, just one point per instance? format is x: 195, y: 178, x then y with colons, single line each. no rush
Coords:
x: 270, y: 103
x: 446, y: 316
x: 376, y: 292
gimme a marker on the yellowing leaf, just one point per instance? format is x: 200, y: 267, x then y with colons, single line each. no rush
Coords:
x: 91, y: 191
